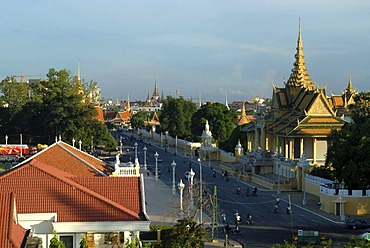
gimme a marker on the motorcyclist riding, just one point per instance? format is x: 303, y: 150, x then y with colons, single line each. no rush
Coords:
x: 223, y: 217
x: 254, y: 192
x: 238, y: 219
x: 288, y: 209
x: 249, y: 219
x: 238, y: 190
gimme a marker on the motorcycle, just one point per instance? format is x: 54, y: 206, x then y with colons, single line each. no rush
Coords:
x: 223, y: 218
x: 288, y: 210
x: 249, y: 220
x: 254, y: 192
x: 238, y: 219
x: 236, y: 231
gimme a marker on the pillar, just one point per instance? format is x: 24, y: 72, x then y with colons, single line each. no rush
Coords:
x: 301, y: 146
x: 263, y: 138
x: 286, y: 150
x: 256, y: 138
x: 291, y: 152
x: 314, y: 151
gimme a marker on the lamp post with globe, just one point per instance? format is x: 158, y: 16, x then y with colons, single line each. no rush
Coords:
x: 191, y: 174
x: 181, y: 188
x: 173, y: 177
x: 156, y: 155
x: 145, y: 149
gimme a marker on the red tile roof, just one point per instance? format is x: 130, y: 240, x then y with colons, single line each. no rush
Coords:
x: 12, y: 235
x: 99, y: 116
x: 72, y: 160
x: 40, y: 188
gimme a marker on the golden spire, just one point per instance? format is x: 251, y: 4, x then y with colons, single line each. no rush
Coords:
x: 128, y: 107
x: 155, y: 93
x: 299, y: 76
x: 243, y: 118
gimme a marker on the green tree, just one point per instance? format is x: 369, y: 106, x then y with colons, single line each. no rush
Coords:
x: 56, y: 107
x: 235, y: 135
x: 221, y: 122
x: 348, y: 148
x: 186, y: 233
x: 138, y: 119
x: 55, y: 242
x: 14, y: 94
x: 355, y: 242
x: 175, y: 116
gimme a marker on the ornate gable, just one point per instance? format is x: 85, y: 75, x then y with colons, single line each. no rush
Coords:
x: 319, y: 106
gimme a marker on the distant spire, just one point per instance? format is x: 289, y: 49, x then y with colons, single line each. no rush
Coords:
x: 78, y: 73
x: 155, y: 93
x: 200, y: 100
x: 350, y: 87
x: 148, y: 97
x: 162, y: 97
x: 226, y: 103
x: 128, y: 107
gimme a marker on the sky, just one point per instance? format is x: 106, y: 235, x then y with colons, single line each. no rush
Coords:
x: 202, y: 48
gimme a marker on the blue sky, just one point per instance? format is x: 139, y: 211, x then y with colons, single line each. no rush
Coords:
x: 206, y: 47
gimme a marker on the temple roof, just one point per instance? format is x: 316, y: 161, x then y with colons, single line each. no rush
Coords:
x: 299, y: 76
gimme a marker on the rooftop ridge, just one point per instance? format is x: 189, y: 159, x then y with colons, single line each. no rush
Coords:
x: 66, y: 178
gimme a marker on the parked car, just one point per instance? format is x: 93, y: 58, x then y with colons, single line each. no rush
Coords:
x: 357, y: 224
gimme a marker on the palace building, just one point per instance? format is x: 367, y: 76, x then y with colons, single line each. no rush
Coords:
x: 301, y: 118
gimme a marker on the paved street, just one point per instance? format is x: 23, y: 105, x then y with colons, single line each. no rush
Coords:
x: 268, y: 227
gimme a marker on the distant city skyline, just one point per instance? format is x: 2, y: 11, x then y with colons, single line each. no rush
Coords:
x: 207, y: 48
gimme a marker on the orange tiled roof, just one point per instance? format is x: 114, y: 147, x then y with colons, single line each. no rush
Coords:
x: 124, y: 116
x: 12, y: 235
x: 99, y: 111
x: 338, y: 101
x: 69, y: 159
x: 40, y: 188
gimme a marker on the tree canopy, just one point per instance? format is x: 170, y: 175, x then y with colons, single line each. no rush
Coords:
x: 221, y: 122
x: 51, y: 108
x: 348, y: 151
x: 175, y: 116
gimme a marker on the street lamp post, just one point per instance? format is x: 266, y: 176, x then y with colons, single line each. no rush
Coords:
x: 176, y: 145
x: 156, y: 155
x: 304, y: 201
x: 181, y: 188
x: 120, y: 144
x: 278, y: 188
x: 200, y: 189
x: 145, y: 149
x: 303, y: 163
x: 191, y: 174
x: 173, y: 177
x: 135, y: 146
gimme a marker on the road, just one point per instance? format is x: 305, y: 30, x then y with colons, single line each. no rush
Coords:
x: 268, y: 227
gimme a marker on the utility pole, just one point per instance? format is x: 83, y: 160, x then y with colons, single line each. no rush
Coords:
x: 214, y: 215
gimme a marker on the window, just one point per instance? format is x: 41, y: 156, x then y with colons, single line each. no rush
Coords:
x: 67, y: 240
